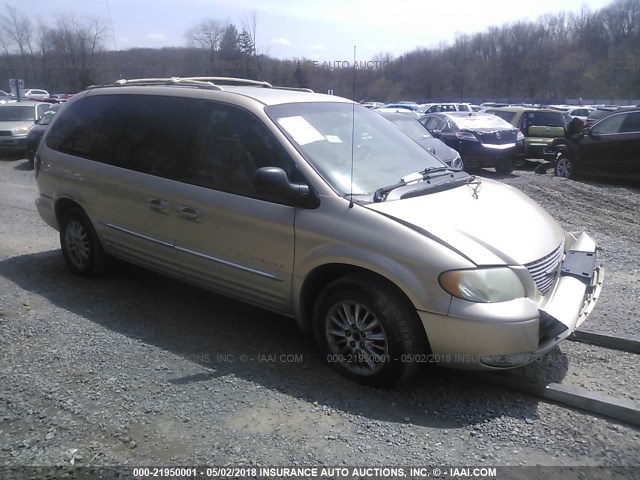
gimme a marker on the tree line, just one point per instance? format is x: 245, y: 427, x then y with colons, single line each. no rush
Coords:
x: 588, y: 53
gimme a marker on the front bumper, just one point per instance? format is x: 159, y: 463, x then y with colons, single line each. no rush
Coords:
x: 502, y: 335
x: 13, y: 143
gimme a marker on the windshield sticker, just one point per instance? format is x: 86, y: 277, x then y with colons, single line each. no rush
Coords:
x: 301, y: 130
x: 333, y: 138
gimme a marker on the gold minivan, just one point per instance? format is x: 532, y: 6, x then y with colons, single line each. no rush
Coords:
x: 319, y: 209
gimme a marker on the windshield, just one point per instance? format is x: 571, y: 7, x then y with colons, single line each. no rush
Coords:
x: 410, y: 126
x: 17, y: 114
x: 322, y: 132
x: 474, y: 122
x: 47, y: 117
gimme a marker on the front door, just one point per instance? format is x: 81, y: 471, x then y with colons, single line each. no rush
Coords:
x: 228, y: 237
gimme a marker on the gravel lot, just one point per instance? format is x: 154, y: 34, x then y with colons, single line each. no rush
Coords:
x: 138, y: 369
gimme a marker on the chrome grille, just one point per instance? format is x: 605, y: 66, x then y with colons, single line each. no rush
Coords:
x: 545, y: 269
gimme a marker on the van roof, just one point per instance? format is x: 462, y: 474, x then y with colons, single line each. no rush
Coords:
x: 262, y: 92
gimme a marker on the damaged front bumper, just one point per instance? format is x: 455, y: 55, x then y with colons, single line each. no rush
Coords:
x: 510, y: 334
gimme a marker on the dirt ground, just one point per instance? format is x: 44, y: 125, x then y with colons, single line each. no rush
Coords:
x: 137, y: 369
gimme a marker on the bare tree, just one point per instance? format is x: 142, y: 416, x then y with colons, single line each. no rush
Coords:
x: 81, y: 43
x: 18, y: 32
x: 207, y: 35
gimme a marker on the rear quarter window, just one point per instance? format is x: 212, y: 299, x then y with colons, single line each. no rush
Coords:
x: 145, y: 133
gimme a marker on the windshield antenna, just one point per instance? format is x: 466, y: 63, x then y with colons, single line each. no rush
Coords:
x: 115, y: 43
x: 353, y: 125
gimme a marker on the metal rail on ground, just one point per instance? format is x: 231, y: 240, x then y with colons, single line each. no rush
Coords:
x: 626, y: 343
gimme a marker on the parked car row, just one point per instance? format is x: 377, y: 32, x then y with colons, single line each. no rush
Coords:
x: 560, y: 135
x: 18, y: 120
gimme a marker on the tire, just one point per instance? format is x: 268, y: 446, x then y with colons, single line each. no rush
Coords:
x: 565, y: 167
x: 80, y: 246
x: 384, y: 312
x: 30, y: 156
x: 505, y: 167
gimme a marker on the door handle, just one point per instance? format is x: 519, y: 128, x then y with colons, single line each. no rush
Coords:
x: 188, y: 213
x: 158, y: 205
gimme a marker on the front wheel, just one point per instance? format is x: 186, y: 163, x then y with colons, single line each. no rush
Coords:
x: 565, y: 167
x: 368, y: 331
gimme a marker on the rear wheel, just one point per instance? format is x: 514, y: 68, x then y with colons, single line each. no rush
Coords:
x: 565, y: 167
x: 81, y: 248
x: 368, y: 331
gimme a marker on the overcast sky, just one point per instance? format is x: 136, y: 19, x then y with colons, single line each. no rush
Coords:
x: 323, y: 30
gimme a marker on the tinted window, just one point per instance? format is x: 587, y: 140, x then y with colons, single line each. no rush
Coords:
x: 549, y: 119
x: 631, y: 122
x: 609, y: 125
x: 230, y: 144
x: 149, y: 134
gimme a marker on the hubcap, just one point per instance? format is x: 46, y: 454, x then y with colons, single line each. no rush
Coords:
x: 77, y: 243
x: 356, y: 337
x: 564, y: 167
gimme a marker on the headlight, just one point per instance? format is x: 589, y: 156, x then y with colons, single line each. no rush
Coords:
x: 19, y: 131
x: 520, y: 137
x: 483, y: 285
x: 456, y: 163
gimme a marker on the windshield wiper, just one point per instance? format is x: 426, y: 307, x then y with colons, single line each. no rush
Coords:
x: 380, y: 195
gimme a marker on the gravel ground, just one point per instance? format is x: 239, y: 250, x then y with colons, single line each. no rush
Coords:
x: 138, y: 369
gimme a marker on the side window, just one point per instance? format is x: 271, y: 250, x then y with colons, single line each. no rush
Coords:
x: 151, y: 134
x: 524, y: 124
x: 463, y: 108
x: 631, y: 123
x: 609, y: 125
x: 79, y: 127
x: 434, y: 123
x: 229, y: 146
x: 148, y: 134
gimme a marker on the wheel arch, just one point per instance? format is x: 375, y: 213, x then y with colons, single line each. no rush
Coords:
x: 63, y: 205
x: 321, y: 276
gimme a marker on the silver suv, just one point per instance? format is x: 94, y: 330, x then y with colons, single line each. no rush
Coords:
x: 319, y: 209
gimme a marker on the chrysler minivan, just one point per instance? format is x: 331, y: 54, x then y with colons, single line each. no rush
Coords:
x: 319, y: 209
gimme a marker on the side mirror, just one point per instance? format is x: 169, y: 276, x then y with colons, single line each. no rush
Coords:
x: 274, y: 181
x: 436, y: 133
x: 590, y: 133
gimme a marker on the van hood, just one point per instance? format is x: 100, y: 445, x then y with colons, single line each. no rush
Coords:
x: 490, y: 223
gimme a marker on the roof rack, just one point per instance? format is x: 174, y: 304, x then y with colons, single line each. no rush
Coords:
x: 205, y: 82
x: 297, y: 89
